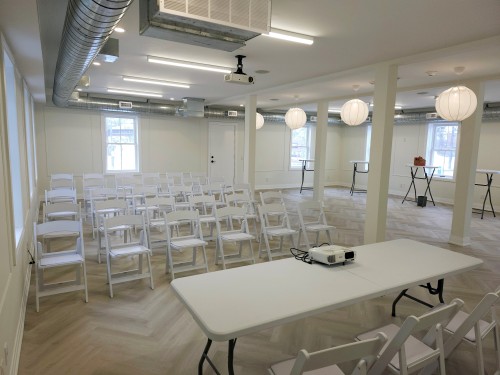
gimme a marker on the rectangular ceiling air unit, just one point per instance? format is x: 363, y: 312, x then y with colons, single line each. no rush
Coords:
x: 431, y: 116
x: 124, y: 105
x: 232, y: 113
x: 219, y: 24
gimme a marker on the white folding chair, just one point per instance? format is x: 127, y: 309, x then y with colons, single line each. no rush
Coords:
x: 117, y: 249
x: 404, y: 353
x: 155, y: 220
x: 44, y: 260
x: 151, y: 179
x: 232, y: 235
x: 313, y: 220
x: 138, y: 197
x: 104, y: 210
x: 205, y: 205
x: 243, y: 199
x: 175, y: 178
x: 189, y: 237
x: 324, y: 362
x: 270, y: 230
x: 91, y: 181
x: 217, y: 191
x: 472, y: 329
x: 99, y: 195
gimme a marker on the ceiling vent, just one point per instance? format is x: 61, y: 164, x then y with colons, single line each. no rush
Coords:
x: 431, y: 116
x: 313, y: 119
x: 124, y: 105
x: 220, y: 24
x: 232, y: 113
x: 192, y: 107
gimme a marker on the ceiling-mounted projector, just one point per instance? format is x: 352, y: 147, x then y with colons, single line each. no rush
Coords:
x: 238, y: 76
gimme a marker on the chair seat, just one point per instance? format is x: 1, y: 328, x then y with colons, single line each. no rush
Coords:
x: 239, y: 236
x: 285, y: 367
x: 318, y: 227
x: 117, y: 228
x: 188, y: 242
x: 128, y: 250
x: 60, y: 260
x: 207, y: 219
x: 415, y: 349
x: 459, y: 318
x: 280, y: 231
x: 62, y: 214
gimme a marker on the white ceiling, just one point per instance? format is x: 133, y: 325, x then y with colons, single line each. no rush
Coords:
x: 351, y: 38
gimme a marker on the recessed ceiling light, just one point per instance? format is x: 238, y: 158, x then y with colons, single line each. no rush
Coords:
x: 189, y: 64
x: 78, y: 89
x: 96, y: 63
x: 242, y: 105
x: 119, y: 29
x: 136, y: 93
x: 290, y: 36
x: 155, y: 82
x: 172, y: 98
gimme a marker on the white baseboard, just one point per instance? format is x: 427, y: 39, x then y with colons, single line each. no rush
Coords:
x: 459, y: 241
x: 16, y: 352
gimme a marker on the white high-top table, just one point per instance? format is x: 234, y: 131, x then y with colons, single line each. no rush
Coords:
x: 240, y: 301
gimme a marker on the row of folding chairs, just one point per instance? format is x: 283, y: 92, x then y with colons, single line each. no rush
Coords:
x: 421, y: 343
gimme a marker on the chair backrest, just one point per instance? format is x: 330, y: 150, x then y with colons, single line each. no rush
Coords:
x: 268, y: 197
x: 241, y: 199
x: 93, y: 181
x: 60, y: 195
x: 174, y: 177
x: 228, y: 213
x: 481, y: 309
x: 62, y: 181
x: 110, y: 207
x: 273, y: 209
x: 431, y: 322
x: 152, y: 178
x: 205, y: 204
x: 364, y: 351
x: 112, y: 223
x: 58, y: 227
x: 160, y: 204
x: 61, y: 209
x: 181, y: 219
x: 311, y: 212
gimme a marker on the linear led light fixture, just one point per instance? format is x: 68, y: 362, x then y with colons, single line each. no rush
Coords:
x: 155, y: 82
x: 290, y: 36
x: 189, y: 64
x: 136, y: 93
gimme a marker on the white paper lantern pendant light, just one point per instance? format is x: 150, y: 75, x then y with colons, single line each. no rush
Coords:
x: 259, y: 121
x: 355, y: 111
x: 457, y: 103
x: 295, y: 118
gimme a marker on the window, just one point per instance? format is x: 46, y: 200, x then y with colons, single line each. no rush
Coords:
x: 442, y: 143
x: 300, y: 146
x: 13, y: 138
x: 121, y: 143
x: 368, y: 142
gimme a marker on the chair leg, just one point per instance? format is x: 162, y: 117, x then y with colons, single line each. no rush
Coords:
x: 148, y: 255
x: 85, y: 281
x: 497, y: 348
x: 108, y: 265
x: 205, y: 258
x: 37, y: 291
x: 479, y: 350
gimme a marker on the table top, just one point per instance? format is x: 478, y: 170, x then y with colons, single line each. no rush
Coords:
x: 422, y: 166
x: 244, y: 300
x: 491, y: 171
x: 359, y: 161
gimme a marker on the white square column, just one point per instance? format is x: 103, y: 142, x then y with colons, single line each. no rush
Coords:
x: 320, y: 151
x: 384, y: 99
x: 250, y: 135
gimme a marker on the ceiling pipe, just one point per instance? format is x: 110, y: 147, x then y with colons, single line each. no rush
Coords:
x: 87, y: 27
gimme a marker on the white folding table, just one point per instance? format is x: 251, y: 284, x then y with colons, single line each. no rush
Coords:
x: 240, y: 301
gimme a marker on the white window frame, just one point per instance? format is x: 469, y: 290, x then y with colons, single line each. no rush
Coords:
x: 368, y: 141
x: 13, y: 136
x: 105, y: 142
x: 308, y: 147
x: 431, y: 133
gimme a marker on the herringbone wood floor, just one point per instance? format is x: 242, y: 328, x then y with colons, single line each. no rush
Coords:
x: 144, y: 331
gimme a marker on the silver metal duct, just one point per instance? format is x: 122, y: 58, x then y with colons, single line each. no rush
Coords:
x: 416, y: 116
x: 87, y: 26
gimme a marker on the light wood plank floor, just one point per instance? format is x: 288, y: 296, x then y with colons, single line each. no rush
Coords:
x: 144, y: 331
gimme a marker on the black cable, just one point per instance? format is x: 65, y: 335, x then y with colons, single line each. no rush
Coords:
x: 31, y: 255
x: 301, y: 255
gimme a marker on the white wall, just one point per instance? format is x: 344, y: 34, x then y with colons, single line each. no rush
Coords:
x: 71, y: 141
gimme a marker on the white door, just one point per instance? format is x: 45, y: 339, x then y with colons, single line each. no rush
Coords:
x: 221, y: 153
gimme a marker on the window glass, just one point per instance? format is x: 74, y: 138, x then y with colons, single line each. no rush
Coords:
x: 121, y: 137
x: 442, y: 148
x: 300, y: 146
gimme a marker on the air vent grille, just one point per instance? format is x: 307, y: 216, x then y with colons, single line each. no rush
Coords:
x: 254, y: 15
